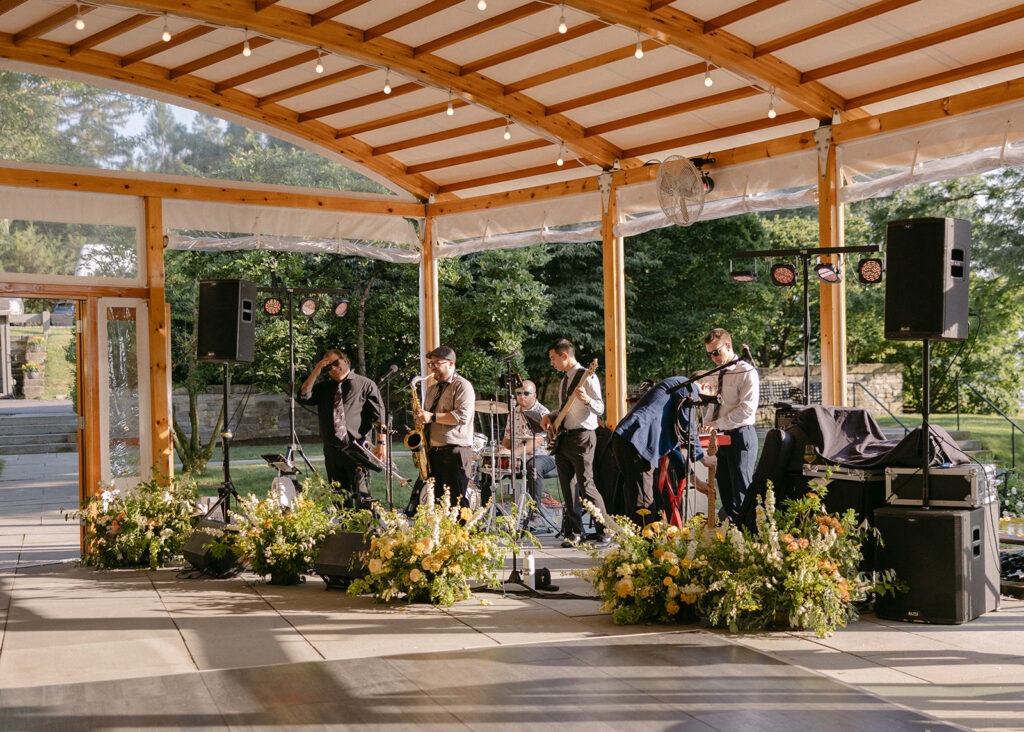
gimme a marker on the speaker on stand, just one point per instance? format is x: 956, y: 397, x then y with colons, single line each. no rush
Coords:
x: 227, y: 321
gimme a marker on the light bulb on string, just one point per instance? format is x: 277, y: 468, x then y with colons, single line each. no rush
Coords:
x: 319, y: 68
x: 79, y: 23
x: 246, y: 48
x: 451, y: 106
x: 387, y: 81
x: 562, y: 27
x: 639, y: 52
x: 771, y: 106
x: 561, y: 155
x: 481, y: 5
x: 166, y: 35
x: 508, y: 131
x: 708, y: 81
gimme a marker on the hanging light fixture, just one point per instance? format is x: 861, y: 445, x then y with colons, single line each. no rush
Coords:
x: 246, y: 49
x: 508, y: 131
x: 481, y: 5
x: 387, y: 81
x: 771, y: 105
x: 340, y: 307
x: 869, y: 271
x: 562, y: 27
x: 829, y: 272
x: 783, y: 275
x: 451, y: 105
x: 561, y: 155
x: 708, y: 81
x: 166, y: 35
x: 639, y: 52
x: 319, y: 68
x: 79, y: 23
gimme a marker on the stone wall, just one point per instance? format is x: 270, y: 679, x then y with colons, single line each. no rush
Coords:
x: 264, y: 419
x: 884, y: 380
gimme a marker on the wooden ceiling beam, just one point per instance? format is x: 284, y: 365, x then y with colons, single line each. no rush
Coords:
x: 675, y: 28
x: 831, y: 25
x: 673, y: 110
x: 578, y: 67
x: 502, y: 177
x: 8, y: 5
x: 540, y: 44
x: 150, y: 77
x: 282, y: 22
x: 112, y: 32
x: 439, y: 136
x: 476, y: 157
x: 267, y: 70
x: 264, y: 4
x: 470, y: 31
x: 215, y: 58
x: 321, y: 82
x: 400, y: 21
x: 362, y: 101
x: 47, y: 24
x: 160, y: 46
x: 334, y: 11
x: 635, y: 86
x: 715, y: 134
x: 960, y: 30
x: 397, y: 119
x: 740, y: 13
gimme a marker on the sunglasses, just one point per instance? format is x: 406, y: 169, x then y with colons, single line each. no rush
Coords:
x: 716, y: 352
x: 520, y: 392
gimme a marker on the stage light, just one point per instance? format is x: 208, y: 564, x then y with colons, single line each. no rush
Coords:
x: 743, y: 275
x: 828, y: 272
x: 783, y: 275
x: 272, y: 306
x: 340, y: 307
x: 308, y: 307
x: 869, y: 271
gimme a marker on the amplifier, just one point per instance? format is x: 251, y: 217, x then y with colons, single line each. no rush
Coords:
x: 966, y: 487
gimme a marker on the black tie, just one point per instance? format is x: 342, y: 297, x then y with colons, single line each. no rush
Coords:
x: 437, y: 396
x: 718, y: 405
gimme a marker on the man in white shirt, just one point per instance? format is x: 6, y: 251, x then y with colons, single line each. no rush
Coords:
x: 738, y: 388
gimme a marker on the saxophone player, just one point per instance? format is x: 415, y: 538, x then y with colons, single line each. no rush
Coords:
x: 447, y: 413
x: 348, y: 406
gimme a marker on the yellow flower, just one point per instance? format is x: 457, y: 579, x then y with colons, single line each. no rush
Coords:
x: 376, y: 566
x: 686, y: 563
x: 668, y: 582
x: 672, y: 530
x: 656, y: 526
x: 647, y: 533
x: 658, y: 553
x: 672, y: 607
x: 485, y: 601
x: 684, y: 532
x: 481, y: 549
x: 673, y: 590
x: 455, y: 568
x: 719, y: 535
x: 673, y: 571
x: 415, y: 575
x: 426, y: 563
x: 642, y: 512
x: 670, y: 557
x: 465, y: 514
x: 624, y: 587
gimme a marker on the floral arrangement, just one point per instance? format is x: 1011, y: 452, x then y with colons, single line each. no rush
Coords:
x: 34, y: 343
x: 800, y: 567
x: 432, y: 557
x: 32, y: 367
x: 144, y: 526
x: 1011, y: 496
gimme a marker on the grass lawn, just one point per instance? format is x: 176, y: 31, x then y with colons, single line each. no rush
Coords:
x: 991, y: 429
x: 60, y: 373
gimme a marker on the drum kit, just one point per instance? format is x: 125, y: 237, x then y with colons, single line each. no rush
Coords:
x: 497, y: 470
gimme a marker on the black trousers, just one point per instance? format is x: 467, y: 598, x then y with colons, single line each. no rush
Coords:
x: 353, y: 480
x: 451, y: 465
x: 637, y: 481
x: 575, y: 464
x: 736, y: 469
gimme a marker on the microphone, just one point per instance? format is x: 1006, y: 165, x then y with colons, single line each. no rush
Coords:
x: 745, y: 355
x: 390, y: 372
x: 509, y: 357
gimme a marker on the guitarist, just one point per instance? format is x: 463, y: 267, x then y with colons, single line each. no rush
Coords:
x: 647, y: 433
x: 580, y: 404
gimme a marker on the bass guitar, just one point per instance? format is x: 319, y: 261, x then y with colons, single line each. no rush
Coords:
x: 556, y: 431
x: 712, y: 450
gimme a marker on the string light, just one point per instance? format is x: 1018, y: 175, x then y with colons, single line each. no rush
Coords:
x: 451, y: 106
x: 166, y: 36
x: 561, y: 155
x: 387, y: 81
x: 319, y: 61
x: 562, y: 27
x: 508, y: 131
x: 246, y: 48
x: 708, y: 81
x: 482, y: 5
x: 639, y: 52
x: 79, y: 23
x: 771, y: 105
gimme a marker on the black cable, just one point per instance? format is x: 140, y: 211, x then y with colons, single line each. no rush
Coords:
x: 956, y: 356
x: 530, y: 592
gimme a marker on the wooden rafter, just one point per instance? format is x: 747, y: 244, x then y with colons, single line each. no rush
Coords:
x: 151, y: 77
x: 334, y: 11
x: 612, y: 92
x: 915, y: 44
x: 722, y: 132
x: 397, y: 119
x: 54, y: 20
x: 476, y: 157
x: 321, y: 82
x: 400, y: 21
x: 177, y: 39
x: 266, y: 70
x: 439, y: 136
x: 263, y: 4
x: 291, y: 25
x: 578, y: 67
x: 8, y: 5
x: 487, y: 180
x: 676, y: 28
x: 112, y: 32
x: 539, y: 44
x: 509, y: 16
x: 673, y: 110
x: 831, y: 25
x: 740, y: 13
x: 215, y: 58
x: 350, y: 104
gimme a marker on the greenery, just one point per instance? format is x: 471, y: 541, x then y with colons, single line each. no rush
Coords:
x: 799, y: 568
x: 60, y: 372
x: 1011, y: 495
x: 142, y: 527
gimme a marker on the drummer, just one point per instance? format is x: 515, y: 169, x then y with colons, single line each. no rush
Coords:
x: 539, y: 464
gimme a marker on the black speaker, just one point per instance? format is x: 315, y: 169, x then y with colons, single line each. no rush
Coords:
x: 227, y: 321
x: 948, y: 557
x: 197, y: 550
x: 928, y: 263
x: 337, y: 562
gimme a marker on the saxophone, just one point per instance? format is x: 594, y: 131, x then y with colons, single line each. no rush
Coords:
x: 415, y: 440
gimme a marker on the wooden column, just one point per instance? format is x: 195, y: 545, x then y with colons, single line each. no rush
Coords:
x: 90, y: 457
x: 430, y: 311
x: 159, y: 332
x: 832, y: 297
x: 614, y: 305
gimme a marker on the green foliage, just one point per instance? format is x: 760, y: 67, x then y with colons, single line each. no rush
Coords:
x: 1011, y: 495
x: 144, y: 526
x: 31, y: 250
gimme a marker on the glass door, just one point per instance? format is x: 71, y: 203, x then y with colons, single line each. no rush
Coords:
x: 125, y: 445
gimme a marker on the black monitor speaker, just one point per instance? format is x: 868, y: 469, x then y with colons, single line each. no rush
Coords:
x: 338, y: 560
x: 227, y: 321
x: 927, y: 269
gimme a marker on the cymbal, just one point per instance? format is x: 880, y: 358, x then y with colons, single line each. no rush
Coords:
x: 491, y: 407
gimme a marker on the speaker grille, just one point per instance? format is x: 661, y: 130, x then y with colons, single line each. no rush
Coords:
x: 227, y: 322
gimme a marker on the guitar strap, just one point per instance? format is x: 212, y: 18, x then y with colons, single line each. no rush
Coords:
x: 572, y: 387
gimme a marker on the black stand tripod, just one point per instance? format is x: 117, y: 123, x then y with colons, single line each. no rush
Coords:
x: 221, y: 510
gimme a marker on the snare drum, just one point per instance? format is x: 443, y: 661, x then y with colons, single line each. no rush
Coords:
x: 500, y: 460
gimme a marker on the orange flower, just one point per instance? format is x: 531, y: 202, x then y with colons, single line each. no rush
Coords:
x: 804, y: 543
x: 792, y: 547
x: 823, y: 529
x: 788, y: 538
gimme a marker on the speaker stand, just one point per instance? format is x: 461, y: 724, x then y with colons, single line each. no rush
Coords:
x: 926, y: 432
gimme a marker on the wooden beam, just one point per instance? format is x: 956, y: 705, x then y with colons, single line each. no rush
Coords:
x: 334, y: 11
x: 365, y: 100
x: 487, y: 180
x: 740, y: 13
x: 675, y: 28
x: 400, y: 118
x: 832, y: 298
x: 215, y: 58
x: 430, y: 322
x: 715, y: 134
x: 159, y: 333
x: 673, y: 110
x: 266, y: 70
x: 54, y: 20
x: 9, y: 5
x: 483, y: 26
x: 635, y: 86
x: 69, y: 292
x: 264, y: 4
x: 915, y: 44
x: 177, y: 39
x: 578, y: 67
x: 534, y: 46
x: 139, y: 186
x: 831, y: 25
x: 112, y: 32
x: 496, y: 152
x: 439, y: 136
x: 321, y: 82
x: 613, y: 269
x: 90, y: 483
x: 400, y: 21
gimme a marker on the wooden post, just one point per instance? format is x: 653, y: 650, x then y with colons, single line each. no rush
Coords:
x: 430, y: 311
x: 832, y: 297
x: 91, y: 457
x: 614, y: 305
x: 159, y: 320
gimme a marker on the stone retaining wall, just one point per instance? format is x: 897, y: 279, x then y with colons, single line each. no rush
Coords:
x: 884, y: 380
x: 265, y: 416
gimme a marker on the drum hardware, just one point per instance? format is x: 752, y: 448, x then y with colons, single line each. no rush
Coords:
x: 487, y: 406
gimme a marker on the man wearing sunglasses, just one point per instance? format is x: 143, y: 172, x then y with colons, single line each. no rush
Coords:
x: 539, y: 464
x: 738, y: 389
x: 348, y: 406
x: 449, y: 406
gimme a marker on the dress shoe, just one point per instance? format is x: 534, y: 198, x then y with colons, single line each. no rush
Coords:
x: 571, y: 540
x: 599, y: 540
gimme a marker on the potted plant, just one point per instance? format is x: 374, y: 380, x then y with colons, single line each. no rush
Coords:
x: 32, y: 370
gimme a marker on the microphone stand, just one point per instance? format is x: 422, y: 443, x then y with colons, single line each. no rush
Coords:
x: 389, y: 479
